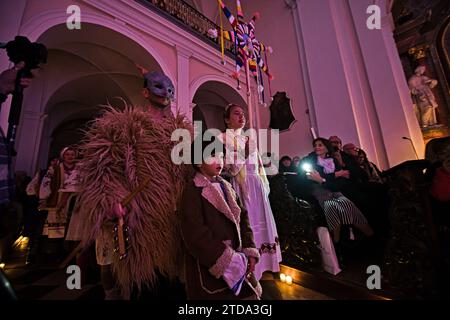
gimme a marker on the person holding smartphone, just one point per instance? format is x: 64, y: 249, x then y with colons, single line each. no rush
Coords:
x: 322, y: 173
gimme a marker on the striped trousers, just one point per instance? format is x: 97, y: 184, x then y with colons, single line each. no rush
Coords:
x: 338, y: 209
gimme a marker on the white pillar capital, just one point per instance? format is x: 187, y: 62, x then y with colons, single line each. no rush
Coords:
x: 183, y: 103
x: 292, y: 4
x: 183, y: 52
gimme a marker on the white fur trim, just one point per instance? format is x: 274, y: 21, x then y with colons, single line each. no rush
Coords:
x: 231, y: 209
x: 222, y: 263
x: 251, y: 252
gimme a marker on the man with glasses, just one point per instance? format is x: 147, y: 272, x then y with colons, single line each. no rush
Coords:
x: 347, y: 158
x: 344, y: 160
x: 351, y: 149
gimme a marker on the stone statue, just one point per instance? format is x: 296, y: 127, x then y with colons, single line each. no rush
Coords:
x: 424, y: 100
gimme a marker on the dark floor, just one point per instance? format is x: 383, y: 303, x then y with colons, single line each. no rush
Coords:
x: 45, y: 281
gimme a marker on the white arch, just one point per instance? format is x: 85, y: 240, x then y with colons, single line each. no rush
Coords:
x: 45, y: 102
x: 195, y: 84
x: 40, y: 23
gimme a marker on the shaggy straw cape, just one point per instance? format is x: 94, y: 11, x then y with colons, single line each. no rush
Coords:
x: 123, y: 148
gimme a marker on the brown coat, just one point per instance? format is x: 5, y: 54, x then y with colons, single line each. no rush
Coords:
x: 212, y: 230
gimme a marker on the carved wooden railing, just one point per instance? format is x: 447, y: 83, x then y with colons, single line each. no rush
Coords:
x: 190, y: 19
x: 412, y: 254
x: 297, y: 222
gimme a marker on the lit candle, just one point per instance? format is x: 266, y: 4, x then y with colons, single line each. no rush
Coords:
x: 2, y: 265
x: 282, y: 277
x: 288, y: 279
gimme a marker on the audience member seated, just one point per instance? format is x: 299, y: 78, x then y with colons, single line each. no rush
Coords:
x: 351, y: 162
x: 351, y: 150
x: 377, y: 206
x: 435, y: 149
x: 322, y: 174
x: 295, y: 163
x: 440, y: 188
x: 336, y: 149
x: 437, y: 152
x: 350, y: 186
x: 346, y: 158
x: 373, y: 174
x: 285, y: 165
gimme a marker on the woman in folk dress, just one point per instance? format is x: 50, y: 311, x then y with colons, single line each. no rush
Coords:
x: 57, y: 187
x: 251, y: 184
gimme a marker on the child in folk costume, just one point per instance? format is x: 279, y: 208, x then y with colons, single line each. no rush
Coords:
x: 58, y: 185
x: 251, y: 184
x: 221, y: 255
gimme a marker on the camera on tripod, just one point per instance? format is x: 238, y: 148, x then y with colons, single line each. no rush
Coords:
x: 22, y: 49
x: 32, y: 54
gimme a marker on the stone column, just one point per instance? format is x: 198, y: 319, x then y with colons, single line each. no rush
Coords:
x: 182, y: 89
x: 296, y: 13
x: 28, y: 148
x: 388, y: 86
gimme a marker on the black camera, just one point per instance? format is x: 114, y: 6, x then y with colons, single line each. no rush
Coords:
x: 32, y: 54
x: 22, y: 49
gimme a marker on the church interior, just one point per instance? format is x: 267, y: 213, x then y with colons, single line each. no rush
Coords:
x: 366, y: 80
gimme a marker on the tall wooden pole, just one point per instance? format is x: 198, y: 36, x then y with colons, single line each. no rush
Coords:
x: 249, y: 94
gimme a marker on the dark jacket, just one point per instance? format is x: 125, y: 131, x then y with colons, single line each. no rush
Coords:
x: 213, y: 228
x: 332, y: 183
x: 357, y: 175
x: 351, y: 188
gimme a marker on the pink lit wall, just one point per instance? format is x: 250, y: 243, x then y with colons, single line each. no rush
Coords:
x: 325, y: 58
x: 275, y: 28
x: 348, y: 76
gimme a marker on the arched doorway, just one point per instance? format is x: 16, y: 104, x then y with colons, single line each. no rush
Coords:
x: 210, y: 100
x: 86, y: 69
